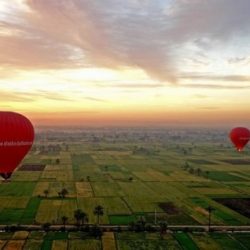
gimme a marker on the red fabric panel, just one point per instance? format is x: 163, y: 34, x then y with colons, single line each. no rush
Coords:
x: 16, y: 139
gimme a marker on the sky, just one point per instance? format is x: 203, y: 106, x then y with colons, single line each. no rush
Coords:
x: 133, y: 62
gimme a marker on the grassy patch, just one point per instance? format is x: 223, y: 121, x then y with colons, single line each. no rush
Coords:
x: 89, y: 244
x: 56, y: 236
x: 237, y: 161
x: 122, y: 219
x: 11, y: 215
x: 30, y: 211
x: 32, y: 167
x: 226, y: 241
x: 243, y: 239
x: 201, y: 161
x: 33, y: 244
x: 60, y: 245
x: 79, y: 159
x: 47, y: 245
x: 185, y: 241
x: 143, y: 241
x: 17, y: 189
x: 178, y: 219
x: 108, y: 241
x: 223, y: 176
x: 110, y: 167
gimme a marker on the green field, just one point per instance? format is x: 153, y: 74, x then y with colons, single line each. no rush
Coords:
x: 130, y: 177
x: 123, y: 241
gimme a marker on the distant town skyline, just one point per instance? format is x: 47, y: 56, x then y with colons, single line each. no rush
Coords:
x: 113, y: 62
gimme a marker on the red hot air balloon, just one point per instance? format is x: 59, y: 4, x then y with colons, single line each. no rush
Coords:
x: 240, y: 137
x: 16, y: 139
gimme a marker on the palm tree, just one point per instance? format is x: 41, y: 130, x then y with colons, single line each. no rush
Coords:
x: 83, y: 217
x: 98, y: 211
x: 78, y: 216
x: 64, y: 220
x: 46, y: 192
x: 64, y: 192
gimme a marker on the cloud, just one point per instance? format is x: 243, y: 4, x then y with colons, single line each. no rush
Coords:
x: 14, y: 97
x: 239, y: 60
x: 205, y: 21
x: 50, y: 96
x: 26, y: 53
x: 7, y: 73
x: 94, y: 99
x: 200, y: 96
x: 108, y: 34
x: 211, y: 77
x: 214, y: 86
x: 131, y: 85
x: 115, y: 33
x: 6, y: 96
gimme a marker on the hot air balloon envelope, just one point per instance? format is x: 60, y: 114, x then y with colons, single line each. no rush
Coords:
x: 16, y: 139
x: 240, y: 137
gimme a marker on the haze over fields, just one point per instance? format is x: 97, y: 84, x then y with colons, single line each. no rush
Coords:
x: 126, y: 62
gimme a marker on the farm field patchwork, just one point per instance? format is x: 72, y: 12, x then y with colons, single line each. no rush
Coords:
x: 159, y: 178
